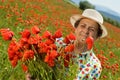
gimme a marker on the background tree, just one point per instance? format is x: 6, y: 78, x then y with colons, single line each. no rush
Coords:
x: 85, y: 4
x: 111, y: 21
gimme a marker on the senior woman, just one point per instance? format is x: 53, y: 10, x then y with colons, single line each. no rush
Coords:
x: 89, y: 24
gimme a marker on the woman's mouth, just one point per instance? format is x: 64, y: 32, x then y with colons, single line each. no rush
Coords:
x: 83, y: 39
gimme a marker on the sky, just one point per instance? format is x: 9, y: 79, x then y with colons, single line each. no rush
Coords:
x: 111, y: 4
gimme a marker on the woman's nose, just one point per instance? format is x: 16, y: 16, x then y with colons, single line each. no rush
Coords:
x: 86, y: 30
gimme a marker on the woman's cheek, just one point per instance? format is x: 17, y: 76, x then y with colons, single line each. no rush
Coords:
x: 94, y: 35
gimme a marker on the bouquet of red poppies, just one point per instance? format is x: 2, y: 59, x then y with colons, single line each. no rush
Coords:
x: 37, y: 52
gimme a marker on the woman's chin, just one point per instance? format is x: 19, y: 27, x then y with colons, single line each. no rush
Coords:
x: 82, y: 41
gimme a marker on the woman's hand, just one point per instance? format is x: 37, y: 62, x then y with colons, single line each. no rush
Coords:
x: 28, y: 76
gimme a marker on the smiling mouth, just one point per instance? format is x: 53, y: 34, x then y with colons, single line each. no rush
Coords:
x: 83, y: 39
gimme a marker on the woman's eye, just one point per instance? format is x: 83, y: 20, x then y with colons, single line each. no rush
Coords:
x: 82, y: 26
x: 91, y: 30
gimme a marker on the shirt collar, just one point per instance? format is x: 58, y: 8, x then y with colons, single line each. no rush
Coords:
x: 86, y: 54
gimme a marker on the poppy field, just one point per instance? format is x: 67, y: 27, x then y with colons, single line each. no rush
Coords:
x: 47, y: 17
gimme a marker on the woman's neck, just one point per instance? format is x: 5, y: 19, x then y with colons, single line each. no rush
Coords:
x: 79, y: 47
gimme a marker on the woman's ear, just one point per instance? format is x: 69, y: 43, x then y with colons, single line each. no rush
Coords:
x: 97, y: 38
x: 75, y: 31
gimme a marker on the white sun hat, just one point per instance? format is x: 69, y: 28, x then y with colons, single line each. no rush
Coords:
x: 91, y: 14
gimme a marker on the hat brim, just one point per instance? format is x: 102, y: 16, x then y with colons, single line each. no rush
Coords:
x: 77, y: 17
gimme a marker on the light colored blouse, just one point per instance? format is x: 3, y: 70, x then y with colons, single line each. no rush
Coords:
x: 89, y: 66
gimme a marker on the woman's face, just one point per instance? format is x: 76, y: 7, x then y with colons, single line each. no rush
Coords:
x: 85, y: 28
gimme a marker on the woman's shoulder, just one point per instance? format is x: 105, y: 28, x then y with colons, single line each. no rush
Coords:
x: 96, y: 60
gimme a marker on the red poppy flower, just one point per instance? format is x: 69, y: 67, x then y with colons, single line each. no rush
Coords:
x: 58, y: 34
x: 53, y: 54
x: 69, y: 48
x: 11, y: 54
x: 12, y: 50
x: 26, y: 33
x: 53, y: 46
x: 71, y: 36
x: 49, y: 41
x: 47, y: 34
x: 13, y: 63
x: 28, y: 54
x: 49, y: 61
x: 19, y: 54
x: 23, y: 41
x: 89, y: 42
x: 24, y: 67
x: 32, y: 40
x: 35, y: 30
x: 6, y: 34
x: 38, y: 37
x: 49, y: 58
x: 45, y: 49
x: 42, y: 45
x: 66, y: 40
